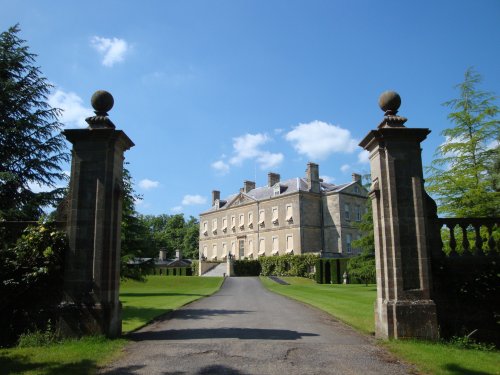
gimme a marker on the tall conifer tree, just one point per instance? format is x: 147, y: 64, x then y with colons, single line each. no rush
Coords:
x: 458, y: 177
x: 31, y: 144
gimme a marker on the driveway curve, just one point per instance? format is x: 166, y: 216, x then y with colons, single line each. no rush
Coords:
x: 245, y: 329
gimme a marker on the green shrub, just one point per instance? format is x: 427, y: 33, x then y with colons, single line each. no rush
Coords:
x: 330, y: 271
x: 31, y: 278
x: 288, y: 265
x: 466, y: 342
x: 247, y: 267
x: 194, y: 267
x: 38, y: 337
x: 361, y: 269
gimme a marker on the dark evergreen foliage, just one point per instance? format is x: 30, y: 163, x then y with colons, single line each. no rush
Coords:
x: 31, y: 144
x: 31, y: 274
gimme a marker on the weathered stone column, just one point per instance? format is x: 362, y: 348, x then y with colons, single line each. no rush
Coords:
x: 92, y: 266
x: 403, y: 308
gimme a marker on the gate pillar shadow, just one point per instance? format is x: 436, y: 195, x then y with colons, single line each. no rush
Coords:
x: 403, y: 308
x: 92, y: 264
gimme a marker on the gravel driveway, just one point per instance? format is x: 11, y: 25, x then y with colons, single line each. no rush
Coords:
x: 245, y: 329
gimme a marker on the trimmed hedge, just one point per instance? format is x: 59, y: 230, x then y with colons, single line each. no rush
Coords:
x: 247, y: 267
x: 280, y: 265
x: 330, y: 271
x: 176, y: 271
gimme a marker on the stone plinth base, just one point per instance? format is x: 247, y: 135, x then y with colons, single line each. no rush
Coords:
x: 406, y: 319
x: 76, y: 320
x: 230, y: 268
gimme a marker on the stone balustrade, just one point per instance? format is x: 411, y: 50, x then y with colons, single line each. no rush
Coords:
x: 464, y: 237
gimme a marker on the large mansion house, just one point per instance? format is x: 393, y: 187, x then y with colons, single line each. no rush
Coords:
x: 295, y: 216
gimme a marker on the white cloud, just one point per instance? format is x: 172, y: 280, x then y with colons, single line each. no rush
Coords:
x: 327, y: 179
x: 248, y: 146
x: 269, y: 160
x: 74, y: 112
x: 221, y: 167
x: 190, y: 200
x: 113, y: 50
x: 147, y: 184
x: 364, y: 157
x: 344, y: 168
x: 176, y: 209
x: 319, y: 139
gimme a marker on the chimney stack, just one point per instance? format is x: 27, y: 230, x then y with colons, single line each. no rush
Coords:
x: 215, y: 196
x: 272, y: 179
x: 178, y: 254
x: 356, y: 177
x: 312, y: 177
x: 163, y: 254
x: 248, y: 185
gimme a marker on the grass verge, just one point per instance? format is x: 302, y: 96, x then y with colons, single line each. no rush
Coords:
x: 73, y: 357
x: 353, y: 304
x: 142, y: 302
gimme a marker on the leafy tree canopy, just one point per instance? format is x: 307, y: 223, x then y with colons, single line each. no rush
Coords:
x: 459, y: 177
x: 31, y: 144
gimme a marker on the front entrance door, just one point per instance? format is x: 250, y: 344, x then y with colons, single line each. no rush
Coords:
x: 241, y: 247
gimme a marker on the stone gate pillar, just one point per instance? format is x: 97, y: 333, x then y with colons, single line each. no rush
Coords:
x: 403, y: 308
x: 92, y: 265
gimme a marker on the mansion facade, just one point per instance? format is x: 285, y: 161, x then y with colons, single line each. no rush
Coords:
x: 295, y: 216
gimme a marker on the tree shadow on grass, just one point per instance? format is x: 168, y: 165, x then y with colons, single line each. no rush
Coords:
x: 10, y: 364
x: 133, y: 312
x: 455, y: 369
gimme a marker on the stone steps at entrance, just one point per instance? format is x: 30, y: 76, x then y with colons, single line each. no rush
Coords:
x: 219, y: 270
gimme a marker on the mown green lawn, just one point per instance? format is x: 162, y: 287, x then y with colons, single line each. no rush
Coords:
x: 353, y: 304
x: 142, y: 302
x: 159, y: 295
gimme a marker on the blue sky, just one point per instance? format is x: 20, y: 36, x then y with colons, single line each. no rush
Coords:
x: 217, y: 92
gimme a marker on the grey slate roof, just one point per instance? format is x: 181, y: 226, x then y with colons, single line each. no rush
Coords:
x: 286, y: 187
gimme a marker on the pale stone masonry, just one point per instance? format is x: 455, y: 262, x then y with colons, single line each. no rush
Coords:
x: 404, y: 308
x: 294, y: 216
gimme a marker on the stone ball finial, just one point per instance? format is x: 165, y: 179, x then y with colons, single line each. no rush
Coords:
x: 102, y: 101
x: 389, y: 101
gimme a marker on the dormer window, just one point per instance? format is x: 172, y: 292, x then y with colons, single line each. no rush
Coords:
x: 276, y: 190
x: 356, y: 189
